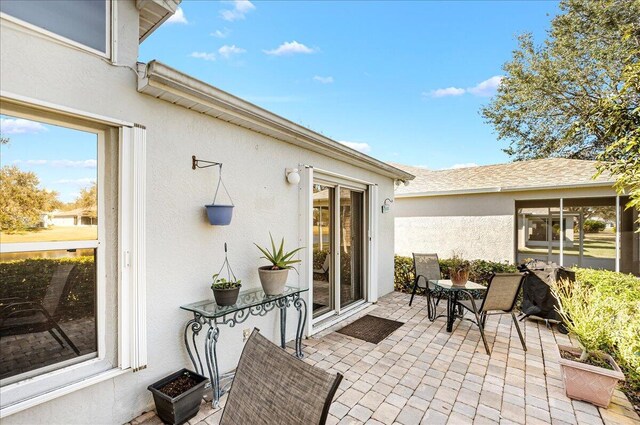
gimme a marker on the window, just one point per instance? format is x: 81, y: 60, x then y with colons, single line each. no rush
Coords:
x: 82, y: 22
x: 49, y: 233
x: 72, y: 206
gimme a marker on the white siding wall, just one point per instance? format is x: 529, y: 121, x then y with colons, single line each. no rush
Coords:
x: 183, y: 250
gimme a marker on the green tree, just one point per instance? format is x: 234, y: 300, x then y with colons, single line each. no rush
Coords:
x: 87, y: 200
x: 21, y: 201
x: 578, y: 94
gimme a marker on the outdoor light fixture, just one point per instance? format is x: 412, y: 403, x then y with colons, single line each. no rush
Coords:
x: 386, y: 205
x: 292, y: 174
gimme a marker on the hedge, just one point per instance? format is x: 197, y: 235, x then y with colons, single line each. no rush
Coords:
x: 28, y: 279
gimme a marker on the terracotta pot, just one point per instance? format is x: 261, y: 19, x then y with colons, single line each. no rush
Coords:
x: 226, y: 296
x: 459, y: 277
x: 589, y: 383
x: 273, y: 281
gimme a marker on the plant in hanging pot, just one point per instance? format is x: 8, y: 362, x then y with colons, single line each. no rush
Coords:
x: 589, y: 374
x: 225, y: 291
x: 459, y: 270
x: 178, y: 396
x: 274, y: 277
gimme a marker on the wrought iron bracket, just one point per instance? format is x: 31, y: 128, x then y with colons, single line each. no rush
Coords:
x: 195, y: 163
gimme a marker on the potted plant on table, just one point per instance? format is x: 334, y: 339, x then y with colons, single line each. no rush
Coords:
x: 178, y: 396
x: 274, y: 276
x: 459, y: 270
x: 589, y: 374
x: 225, y: 291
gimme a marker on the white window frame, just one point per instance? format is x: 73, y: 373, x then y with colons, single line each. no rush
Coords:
x: 109, y: 31
x: 131, y: 349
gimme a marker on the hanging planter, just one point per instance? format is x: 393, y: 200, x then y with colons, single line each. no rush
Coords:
x: 225, y: 290
x: 218, y: 214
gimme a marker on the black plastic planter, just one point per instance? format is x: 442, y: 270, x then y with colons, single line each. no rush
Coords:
x: 179, y: 409
x: 226, y: 296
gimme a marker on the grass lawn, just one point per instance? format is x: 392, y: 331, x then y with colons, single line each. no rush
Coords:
x: 52, y: 234
x: 597, y: 245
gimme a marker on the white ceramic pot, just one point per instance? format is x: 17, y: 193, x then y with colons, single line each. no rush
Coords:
x: 273, y: 281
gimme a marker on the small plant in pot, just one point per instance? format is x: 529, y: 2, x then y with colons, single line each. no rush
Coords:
x: 225, y: 291
x: 589, y: 374
x: 459, y: 270
x: 274, y: 276
x: 178, y: 396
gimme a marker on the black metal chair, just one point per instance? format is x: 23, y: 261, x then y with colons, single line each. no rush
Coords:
x: 273, y: 387
x: 500, y: 298
x: 19, y: 316
x: 426, y: 267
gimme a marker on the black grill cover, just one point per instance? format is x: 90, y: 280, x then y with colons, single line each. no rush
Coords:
x: 537, y: 299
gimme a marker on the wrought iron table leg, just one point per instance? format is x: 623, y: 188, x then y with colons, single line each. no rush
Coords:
x: 212, y: 361
x: 301, y: 306
x: 196, y: 326
x: 451, y: 311
x: 283, y: 324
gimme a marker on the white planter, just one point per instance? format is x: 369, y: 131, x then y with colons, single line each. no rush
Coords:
x: 273, y: 281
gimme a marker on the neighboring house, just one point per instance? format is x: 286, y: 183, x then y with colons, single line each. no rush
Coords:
x: 512, y: 212
x: 155, y: 249
x: 75, y: 217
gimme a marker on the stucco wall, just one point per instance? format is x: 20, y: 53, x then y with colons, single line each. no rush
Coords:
x: 183, y: 250
x: 474, y: 225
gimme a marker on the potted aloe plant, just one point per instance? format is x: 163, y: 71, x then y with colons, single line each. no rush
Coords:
x: 274, y: 276
x: 589, y: 374
x: 225, y: 291
x: 459, y: 270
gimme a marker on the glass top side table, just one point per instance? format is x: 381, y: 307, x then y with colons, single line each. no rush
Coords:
x: 252, y: 302
x: 446, y: 287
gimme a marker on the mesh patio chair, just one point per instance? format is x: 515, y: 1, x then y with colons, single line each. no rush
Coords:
x: 426, y: 268
x: 273, y: 387
x: 20, y: 316
x: 500, y: 298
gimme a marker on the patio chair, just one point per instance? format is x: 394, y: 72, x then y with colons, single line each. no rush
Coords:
x: 19, y: 316
x: 500, y: 298
x: 273, y: 387
x: 426, y: 267
x: 324, y: 270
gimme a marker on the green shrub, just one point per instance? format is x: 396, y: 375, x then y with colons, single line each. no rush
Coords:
x: 594, y: 226
x: 28, y: 279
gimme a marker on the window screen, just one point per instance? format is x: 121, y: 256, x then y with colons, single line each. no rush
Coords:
x: 84, y: 21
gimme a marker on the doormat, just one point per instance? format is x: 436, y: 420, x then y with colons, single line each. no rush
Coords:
x: 370, y: 328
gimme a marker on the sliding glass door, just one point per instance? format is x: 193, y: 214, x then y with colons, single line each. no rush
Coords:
x: 338, y: 248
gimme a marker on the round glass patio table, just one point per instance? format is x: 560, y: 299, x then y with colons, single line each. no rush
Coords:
x: 452, y: 292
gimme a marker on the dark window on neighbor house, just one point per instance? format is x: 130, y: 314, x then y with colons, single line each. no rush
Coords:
x: 84, y: 22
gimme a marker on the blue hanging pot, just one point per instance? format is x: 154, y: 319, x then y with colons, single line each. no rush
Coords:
x: 219, y: 215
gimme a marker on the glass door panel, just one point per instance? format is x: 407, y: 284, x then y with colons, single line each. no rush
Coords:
x: 323, y: 231
x: 351, y: 241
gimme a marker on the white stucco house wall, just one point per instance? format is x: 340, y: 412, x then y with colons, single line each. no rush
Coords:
x: 155, y: 249
x: 515, y: 211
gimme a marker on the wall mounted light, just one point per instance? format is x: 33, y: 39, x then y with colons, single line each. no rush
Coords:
x: 386, y: 205
x: 292, y: 175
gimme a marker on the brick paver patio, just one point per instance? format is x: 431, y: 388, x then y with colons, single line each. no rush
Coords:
x: 421, y: 374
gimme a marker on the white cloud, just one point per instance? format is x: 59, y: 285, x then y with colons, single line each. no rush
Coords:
x: 359, y: 146
x: 178, y: 17
x: 203, y: 55
x: 77, y: 182
x: 228, y: 51
x: 449, y: 91
x: 486, y: 87
x: 462, y: 165
x: 221, y: 33
x: 31, y: 161
x: 67, y: 163
x: 289, y: 48
x: 323, y: 80
x: 240, y: 8
x: 20, y: 126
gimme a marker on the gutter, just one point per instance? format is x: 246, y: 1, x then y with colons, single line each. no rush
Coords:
x: 165, y: 83
x: 496, y: 189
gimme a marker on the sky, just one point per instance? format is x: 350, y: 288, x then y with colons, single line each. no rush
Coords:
x: 401, y: 81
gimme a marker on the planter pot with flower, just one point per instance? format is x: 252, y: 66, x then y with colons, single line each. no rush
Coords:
x: 274, y: 276
x: 588, y: 373
x: 459, y: 270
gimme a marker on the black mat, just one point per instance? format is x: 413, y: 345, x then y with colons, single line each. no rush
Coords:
x: 370, y: 328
